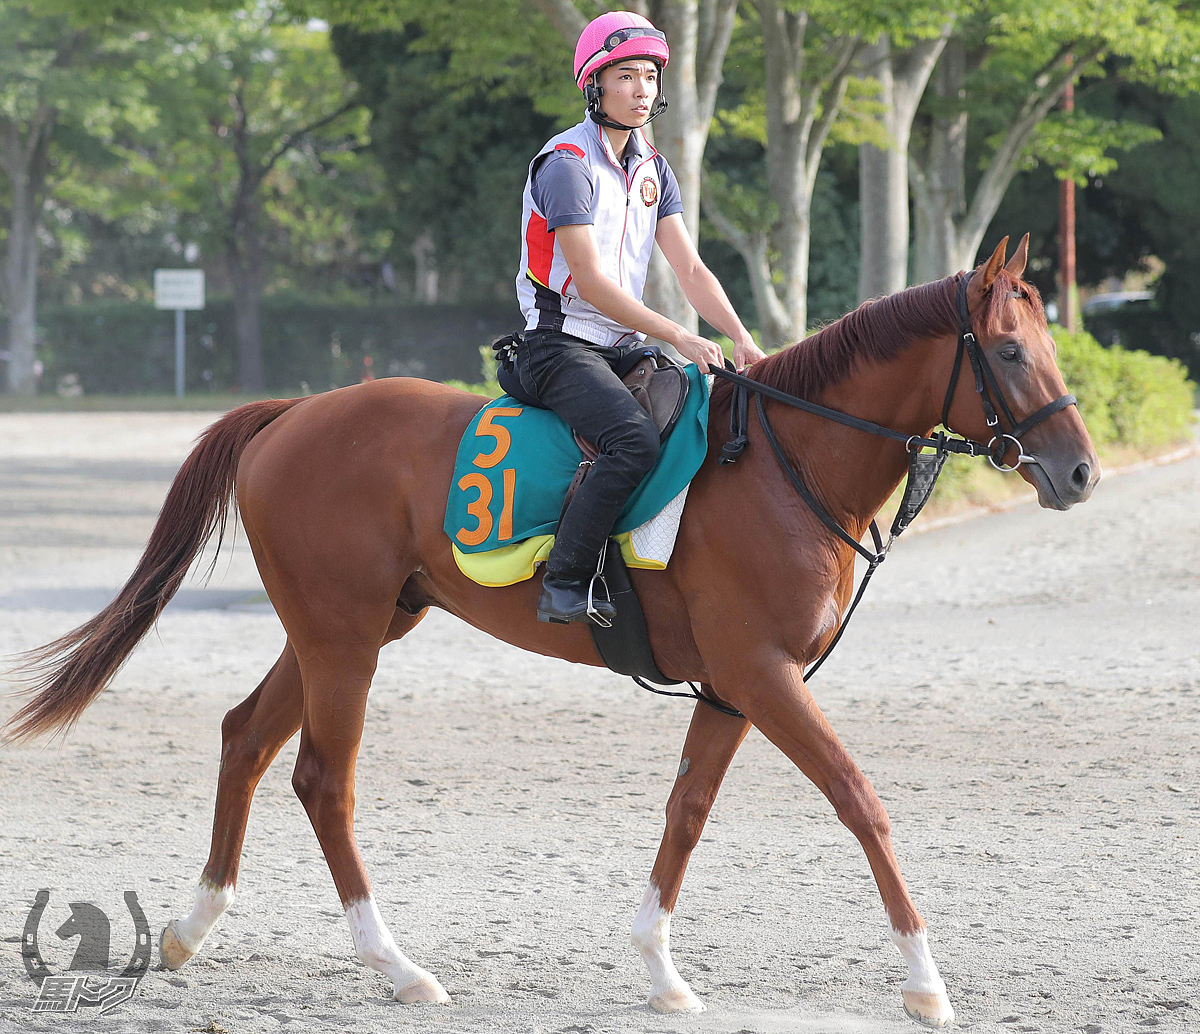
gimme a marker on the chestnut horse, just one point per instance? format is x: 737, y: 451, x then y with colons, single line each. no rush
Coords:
x: 342, y: 496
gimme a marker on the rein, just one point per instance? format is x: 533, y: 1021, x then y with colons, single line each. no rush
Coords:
x: 923, y: 470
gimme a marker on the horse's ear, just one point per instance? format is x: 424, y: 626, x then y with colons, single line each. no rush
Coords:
x: 1016, y: 264
x: 985, y: 275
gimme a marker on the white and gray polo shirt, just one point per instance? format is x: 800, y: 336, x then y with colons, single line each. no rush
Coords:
x: 575, y: 178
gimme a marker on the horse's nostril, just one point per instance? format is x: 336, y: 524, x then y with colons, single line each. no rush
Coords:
x: 1081, y: 476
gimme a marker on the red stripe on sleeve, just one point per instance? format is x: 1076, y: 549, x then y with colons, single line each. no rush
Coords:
x: 540, y: 243
x: 577, y: 151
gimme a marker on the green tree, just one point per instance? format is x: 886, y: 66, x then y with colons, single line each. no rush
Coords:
x: 995, y: 88
x: 72, y: 88
x: 66, y: 89
x: 1140, y: 217
x: 251, y: 105
x: 454, y: 158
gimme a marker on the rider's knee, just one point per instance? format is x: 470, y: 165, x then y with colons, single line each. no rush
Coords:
x: 637, y: 439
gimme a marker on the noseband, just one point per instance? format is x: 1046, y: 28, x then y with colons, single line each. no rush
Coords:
x: 923, y: 470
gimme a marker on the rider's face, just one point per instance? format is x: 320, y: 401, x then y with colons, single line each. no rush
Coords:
x: 630, y: 88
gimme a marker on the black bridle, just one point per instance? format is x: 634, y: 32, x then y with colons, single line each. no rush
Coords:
x: 988, y: 389
x: 923, y: 470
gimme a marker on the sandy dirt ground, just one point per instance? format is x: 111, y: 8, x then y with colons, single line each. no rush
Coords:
x: 1023, y: 690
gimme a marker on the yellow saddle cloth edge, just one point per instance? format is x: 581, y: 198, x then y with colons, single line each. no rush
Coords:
x: 511, y: 564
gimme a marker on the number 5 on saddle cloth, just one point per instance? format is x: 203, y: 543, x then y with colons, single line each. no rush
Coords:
x: 518, y: 462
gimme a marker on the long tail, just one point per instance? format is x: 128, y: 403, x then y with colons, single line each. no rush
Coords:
x: 69, y: 673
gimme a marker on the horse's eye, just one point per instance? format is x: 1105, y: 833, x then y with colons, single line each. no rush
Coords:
x: 1012, y: 353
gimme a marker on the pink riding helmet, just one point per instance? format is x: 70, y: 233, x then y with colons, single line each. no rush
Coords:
x: 617, y: 35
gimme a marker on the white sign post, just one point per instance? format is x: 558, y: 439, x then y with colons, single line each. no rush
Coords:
x: 179, y: 289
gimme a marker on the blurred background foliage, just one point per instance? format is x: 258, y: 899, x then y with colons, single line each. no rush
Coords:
x: 348, y: 174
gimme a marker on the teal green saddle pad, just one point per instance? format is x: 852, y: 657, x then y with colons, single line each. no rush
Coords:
x: 516, y: 462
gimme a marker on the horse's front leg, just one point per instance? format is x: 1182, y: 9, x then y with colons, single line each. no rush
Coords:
x: 774, y: 697
x: 711, y: 742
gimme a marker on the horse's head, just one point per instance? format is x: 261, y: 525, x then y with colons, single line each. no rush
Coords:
x: 1021, y: 378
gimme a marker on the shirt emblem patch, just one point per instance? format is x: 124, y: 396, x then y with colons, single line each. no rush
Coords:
x: 649, y: 192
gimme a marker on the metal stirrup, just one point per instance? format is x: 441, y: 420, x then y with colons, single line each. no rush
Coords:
x: 592, y: 613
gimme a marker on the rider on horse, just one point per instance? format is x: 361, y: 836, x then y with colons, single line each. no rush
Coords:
x: 596, y: 200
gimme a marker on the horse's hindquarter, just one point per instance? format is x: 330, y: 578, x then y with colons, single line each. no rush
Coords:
x: 337, y: 493
x: 344, y: 499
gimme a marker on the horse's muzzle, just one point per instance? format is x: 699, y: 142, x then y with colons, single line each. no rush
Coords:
x: 1061, y: 486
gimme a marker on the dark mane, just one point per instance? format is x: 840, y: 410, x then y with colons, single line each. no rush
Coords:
x: 877, y: 331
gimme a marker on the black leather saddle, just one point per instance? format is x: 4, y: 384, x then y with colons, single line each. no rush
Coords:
x: 656, y: 381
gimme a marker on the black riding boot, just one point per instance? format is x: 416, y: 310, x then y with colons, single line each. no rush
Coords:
x: 566, y: 599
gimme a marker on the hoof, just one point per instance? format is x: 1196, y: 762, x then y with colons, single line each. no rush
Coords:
x: 933, y: 1010
x: 172, y: 952
x: 679, y: 999
x: 425, y: 991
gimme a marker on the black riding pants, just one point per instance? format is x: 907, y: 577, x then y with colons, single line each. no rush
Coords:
x: 575, y: 379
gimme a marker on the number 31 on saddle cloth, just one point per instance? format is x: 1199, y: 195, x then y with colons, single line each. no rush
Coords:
x: 514, y: 466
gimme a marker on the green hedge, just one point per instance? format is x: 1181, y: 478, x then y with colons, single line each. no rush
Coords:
x: 1143, y: 324
x: 308, y: 346
x: 1126, y: 397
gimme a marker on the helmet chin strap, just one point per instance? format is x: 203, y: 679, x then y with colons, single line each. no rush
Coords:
x: 593, y: 93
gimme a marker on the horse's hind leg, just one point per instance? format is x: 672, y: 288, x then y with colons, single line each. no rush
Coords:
x: 337, y: 678
x: 711, y: 742
x: 251, y: 734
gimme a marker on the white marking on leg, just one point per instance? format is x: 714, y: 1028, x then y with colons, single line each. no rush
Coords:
x: 924, y: 991
x: 922, y: 970
x: 211, y: 903
x: 375, y: 948
x: 669, y: 992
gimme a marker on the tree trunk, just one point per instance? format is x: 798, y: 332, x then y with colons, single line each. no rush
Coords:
x: 883, y: 207
x: 698, y: 32
x: 681, y: 139
x: 883, y: 190
x: 939, y: 172
x: 244, y: 261
x: 883, y: 172
x: 796, y: 236
x: 247, y: 307
x: 26, y: 162
x: 800, y: 114
x: 950, y: 225
x: 425, y: 282
x: 774, y: 318
x: 20, y: 291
